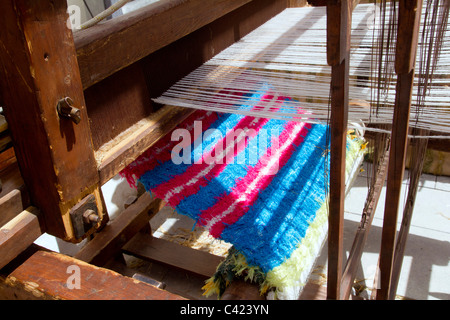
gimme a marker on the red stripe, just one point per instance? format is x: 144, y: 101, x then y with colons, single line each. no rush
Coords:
x: 160, y: 152
x: 242, y: 187
x: 195, y: 170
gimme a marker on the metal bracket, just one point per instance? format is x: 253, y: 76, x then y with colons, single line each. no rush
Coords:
x: 84, y: 215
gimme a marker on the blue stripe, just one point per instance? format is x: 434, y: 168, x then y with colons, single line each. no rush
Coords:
x: 221, y: 185
x: 169, y: 170
x: 270, y: 231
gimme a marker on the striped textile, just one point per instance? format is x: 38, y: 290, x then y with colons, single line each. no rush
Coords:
x: 256, y: 183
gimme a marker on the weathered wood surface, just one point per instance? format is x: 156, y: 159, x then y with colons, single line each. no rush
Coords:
x: 338, y: 56
x: 18, y: 234
x: 53, y: 276
x: 14, y: 197
x: 108, y: 47
x: 39, y: 67
x: 408, y: 24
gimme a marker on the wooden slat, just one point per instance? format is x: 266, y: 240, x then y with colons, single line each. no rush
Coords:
x: 49, y: 275
x: 121, y: 151
x: 18, y: 234
x: 14, y: 197
x: 338, y: 49
x: 107, y: 243
x: 418, y: 157
x: 115, y: 44
x: 39, y: 67
x: 409, y: 17
x: 147, y: 247
x: 7, y: 158
x: 12, y: 204
x: 354, y: 258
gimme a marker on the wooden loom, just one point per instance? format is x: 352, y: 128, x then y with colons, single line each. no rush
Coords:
x: 79, y: 111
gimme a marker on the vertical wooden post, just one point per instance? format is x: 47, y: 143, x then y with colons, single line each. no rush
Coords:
x: 338, y: 52
x: 407, y: 36
x: 38, y: 67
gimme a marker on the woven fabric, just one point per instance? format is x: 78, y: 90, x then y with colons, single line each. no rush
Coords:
x: 256, y: 183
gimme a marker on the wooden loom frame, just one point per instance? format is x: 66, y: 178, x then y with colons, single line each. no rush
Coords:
x: 64, y: 164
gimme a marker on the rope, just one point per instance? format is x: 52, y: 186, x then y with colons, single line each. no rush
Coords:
x: 104, y: 14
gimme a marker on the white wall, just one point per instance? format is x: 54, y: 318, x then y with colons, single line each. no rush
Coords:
x: 96, y: 6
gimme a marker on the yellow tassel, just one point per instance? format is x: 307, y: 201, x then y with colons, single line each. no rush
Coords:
x: 363, y: 146
x: 210, y: 288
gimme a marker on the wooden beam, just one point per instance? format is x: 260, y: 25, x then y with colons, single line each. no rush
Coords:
x: 53, y: 276
x: 38, y: 68
x: 147, y: 247
x: 338, y: 50
x: 408, y: 25
x: 108, y: 47
x: 18, y: 234
x: 14, y: 197
x: 108, y: 243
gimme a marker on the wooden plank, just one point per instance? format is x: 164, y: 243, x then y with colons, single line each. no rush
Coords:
x: 124, y: 149
x: 338, y: 34
x: 115, y: 44
x: 12, y: 204
x: 14, y: 197
x: 53, y: 276
x: 7, y: 158
x: 11, y: 179
x: 108, y: 243
x: 147, y: 247
x: 338, y: 49
x: 117, y: 103
x: 39, y: 67
x: 409, y: 17
x: 354, y: 258
x: 418, y: 157
x: 18, y: 234
x: 407, y: 35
